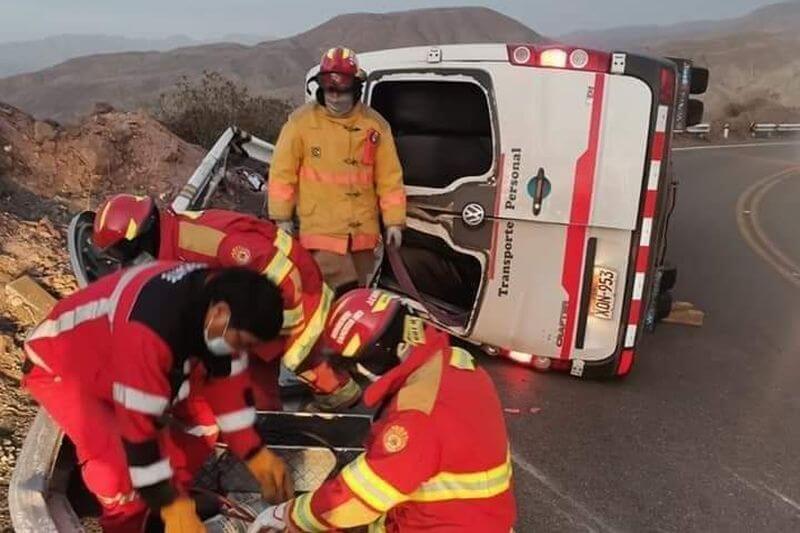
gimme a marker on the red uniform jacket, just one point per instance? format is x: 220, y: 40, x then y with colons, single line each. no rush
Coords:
x: 437, y: 458
x: 227, y: 238
x: 133, y: 338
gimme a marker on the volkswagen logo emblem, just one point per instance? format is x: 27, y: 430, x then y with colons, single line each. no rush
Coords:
x: 473, y: 214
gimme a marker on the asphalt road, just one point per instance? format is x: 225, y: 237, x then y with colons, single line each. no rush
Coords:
x: 704, y: 435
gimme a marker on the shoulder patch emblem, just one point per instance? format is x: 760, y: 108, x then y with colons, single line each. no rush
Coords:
x: 395, y: 439
x: 241, y: 255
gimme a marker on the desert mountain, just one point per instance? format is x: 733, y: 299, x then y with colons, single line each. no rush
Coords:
x: 776, y: 18
x: 65, y: 91
x: 17, y: 57
x: 754, y: 60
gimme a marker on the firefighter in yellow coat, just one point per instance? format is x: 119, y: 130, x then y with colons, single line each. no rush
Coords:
x: 336, y: 166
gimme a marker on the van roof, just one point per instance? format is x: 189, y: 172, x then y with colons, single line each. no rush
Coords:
x: 449, y: 52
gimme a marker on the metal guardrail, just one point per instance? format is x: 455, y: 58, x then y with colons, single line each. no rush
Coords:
x: 756, y: 129
x: 769, y: 129
x: 698, y: 129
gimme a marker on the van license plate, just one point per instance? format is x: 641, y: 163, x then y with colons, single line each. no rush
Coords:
x: 604, y: 285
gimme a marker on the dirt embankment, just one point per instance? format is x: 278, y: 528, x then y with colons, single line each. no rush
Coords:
x: 47, y: 173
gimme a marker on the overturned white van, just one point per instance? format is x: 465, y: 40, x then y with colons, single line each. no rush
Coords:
x: 539, y: 185
x: 539, y: 182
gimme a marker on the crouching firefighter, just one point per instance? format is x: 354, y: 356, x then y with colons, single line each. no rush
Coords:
x: 437, y: 457
x: 134, y: 229
x: 132, y: 365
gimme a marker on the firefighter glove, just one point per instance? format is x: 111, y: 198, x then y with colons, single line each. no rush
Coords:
x: 180, y: 516
x: 272, y: 474
x: 394, y: 236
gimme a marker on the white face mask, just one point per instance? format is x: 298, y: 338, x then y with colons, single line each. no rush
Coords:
x: 338, y: 104
x: 218, y: 345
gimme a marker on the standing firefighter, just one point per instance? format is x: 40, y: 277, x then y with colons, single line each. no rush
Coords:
x: 133, y: 229
x: 336, y: 165
x: 437, y: 457
x: 147, y: 347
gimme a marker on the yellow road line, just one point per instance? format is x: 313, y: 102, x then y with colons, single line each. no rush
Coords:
x: 754, y: 235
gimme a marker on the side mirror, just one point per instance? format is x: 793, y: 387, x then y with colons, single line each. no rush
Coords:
x: 694, y: 114
x: 698, y: 80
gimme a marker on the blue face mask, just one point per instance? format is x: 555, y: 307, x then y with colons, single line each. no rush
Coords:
x: 218, y: 345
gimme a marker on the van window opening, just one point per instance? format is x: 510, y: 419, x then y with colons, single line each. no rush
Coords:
x: 442, y: 129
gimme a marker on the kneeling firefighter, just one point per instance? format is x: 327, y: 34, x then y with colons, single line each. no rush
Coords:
x: 437, y: 457
x: 135, y: 365
x: 133, y: 229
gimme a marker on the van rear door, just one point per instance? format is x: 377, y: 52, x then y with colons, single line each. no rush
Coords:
x: 574, y: 148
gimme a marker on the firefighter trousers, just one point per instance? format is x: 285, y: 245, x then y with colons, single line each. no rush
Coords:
x: 339, y: 270
x: 91, y: 425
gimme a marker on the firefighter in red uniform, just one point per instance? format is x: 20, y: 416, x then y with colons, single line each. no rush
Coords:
x: 437, y: 457
x: 111, y: 365
x: 133, y: 229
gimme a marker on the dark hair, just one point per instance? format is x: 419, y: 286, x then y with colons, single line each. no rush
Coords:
x: 256, y: 303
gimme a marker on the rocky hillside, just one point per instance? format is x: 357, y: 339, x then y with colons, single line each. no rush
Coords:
x: 104, y: 152
x: 46, y: 174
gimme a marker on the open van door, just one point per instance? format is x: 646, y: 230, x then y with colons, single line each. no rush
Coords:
x: 445, y: 127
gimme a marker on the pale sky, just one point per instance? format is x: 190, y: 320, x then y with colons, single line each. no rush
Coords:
x: 203, y: 19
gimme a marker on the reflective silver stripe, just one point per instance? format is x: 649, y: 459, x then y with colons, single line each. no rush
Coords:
x: 202, y: 431
x: 187, y: 367
x: 237, y: 420
x: 183, y: 391
x: 239, y: 364
x: 69, y: 320
x: 139, y: 401
x: 144, y: 476
x: 35, y: 359
x: 126, y: 278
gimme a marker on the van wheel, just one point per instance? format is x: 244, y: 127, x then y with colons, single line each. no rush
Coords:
x: 663, y: 305
x: 669, y: 276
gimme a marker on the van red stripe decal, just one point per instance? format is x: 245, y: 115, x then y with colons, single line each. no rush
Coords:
x: 635, y: 312
x: 657, y: 151
x: 650, y: 204
x: 642, y: 258
x: 498, y: 193
x: 582, y: 191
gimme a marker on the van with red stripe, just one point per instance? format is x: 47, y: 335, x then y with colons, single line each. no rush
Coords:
x: 538, y: 181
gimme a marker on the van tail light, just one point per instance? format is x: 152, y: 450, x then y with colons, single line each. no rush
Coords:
x: 667, y: 96
x: 556, y: 56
